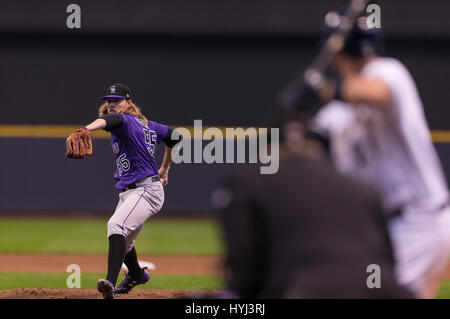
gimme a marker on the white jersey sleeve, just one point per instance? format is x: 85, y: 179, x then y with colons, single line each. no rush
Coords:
x: 391, y: 149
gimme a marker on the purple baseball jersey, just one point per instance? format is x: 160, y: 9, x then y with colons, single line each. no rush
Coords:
x: 134, y: 145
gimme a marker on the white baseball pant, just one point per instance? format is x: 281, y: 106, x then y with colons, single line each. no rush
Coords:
x: 134, y: 208
x: 421, y: 245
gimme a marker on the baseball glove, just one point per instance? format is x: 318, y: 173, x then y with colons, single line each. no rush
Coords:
x: 79, y: 144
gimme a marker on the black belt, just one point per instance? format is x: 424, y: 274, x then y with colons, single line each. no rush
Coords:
x: 133, y: 185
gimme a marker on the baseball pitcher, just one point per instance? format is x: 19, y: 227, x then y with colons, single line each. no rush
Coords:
x: 139, y: 181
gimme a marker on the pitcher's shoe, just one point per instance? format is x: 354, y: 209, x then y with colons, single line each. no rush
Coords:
x: 129, y: 282
x: 106, y: 288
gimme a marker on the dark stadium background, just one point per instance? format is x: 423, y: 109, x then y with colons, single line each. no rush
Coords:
x: 219, y: 61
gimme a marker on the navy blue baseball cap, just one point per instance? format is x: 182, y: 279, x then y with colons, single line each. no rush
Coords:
x: 118, y: 91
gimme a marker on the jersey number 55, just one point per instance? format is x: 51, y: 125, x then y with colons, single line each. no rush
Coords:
x: 150, y: 140
x: 123, y: 164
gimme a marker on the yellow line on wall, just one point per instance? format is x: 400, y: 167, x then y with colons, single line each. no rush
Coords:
x: 62, y: 131
x: 440, y: 136
x: 43, y: 131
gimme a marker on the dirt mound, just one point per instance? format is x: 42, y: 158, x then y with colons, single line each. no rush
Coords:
x: 39, y: 293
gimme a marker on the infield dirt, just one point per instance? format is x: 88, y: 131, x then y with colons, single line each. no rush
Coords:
x: 42, y: 263
x: 40, y: 293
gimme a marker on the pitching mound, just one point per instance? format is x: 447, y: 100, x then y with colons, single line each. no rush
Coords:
x: 38, y: 293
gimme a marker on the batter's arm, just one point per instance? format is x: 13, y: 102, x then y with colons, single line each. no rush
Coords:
x: 357, y: 89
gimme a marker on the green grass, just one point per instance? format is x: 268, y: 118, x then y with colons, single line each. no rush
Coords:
x: 88, y: 236
x: 89, y: 281
x: 444, y: 290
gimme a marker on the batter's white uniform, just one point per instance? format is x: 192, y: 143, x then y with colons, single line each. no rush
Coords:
x: 392, y: 149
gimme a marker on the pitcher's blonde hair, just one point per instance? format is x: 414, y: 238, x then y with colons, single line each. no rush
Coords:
x: 131, y: 109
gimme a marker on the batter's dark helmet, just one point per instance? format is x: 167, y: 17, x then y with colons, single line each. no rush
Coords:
x: 362, y: 39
